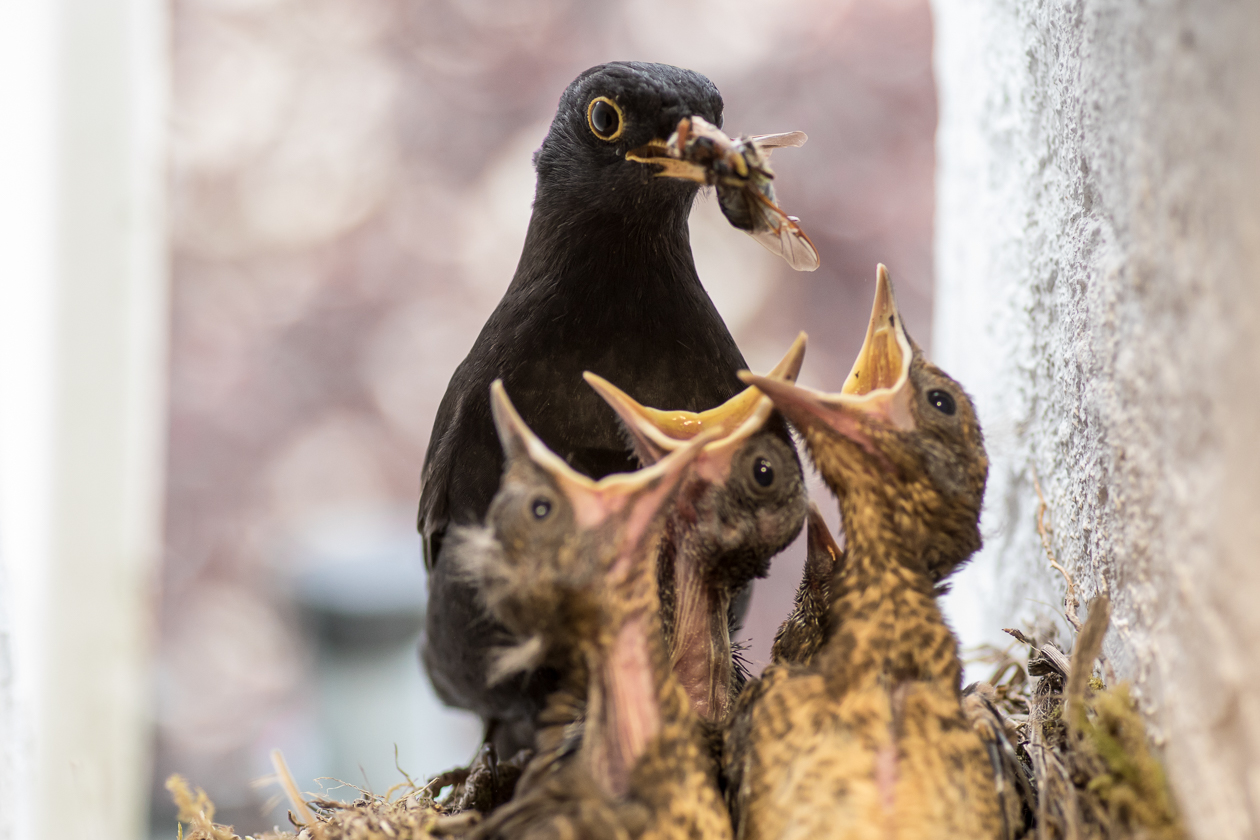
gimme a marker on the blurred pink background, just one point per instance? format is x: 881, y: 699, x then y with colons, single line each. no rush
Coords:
x: 350, y: 187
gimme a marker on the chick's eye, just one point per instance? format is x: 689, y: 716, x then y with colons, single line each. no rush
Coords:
x: 541, y: 508
x: 941, y: 401
x: 763, y: 473
x: 605, y: 118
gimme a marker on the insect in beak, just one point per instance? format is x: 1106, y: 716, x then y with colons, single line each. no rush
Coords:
x: 740, y: 170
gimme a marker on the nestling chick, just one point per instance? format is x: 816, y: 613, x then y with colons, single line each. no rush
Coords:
x: 742, y: 502
x: 805, y: 629
x: 565, y: 563
x: 870, y: 741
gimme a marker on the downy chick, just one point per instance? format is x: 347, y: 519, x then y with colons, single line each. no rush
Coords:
x: 870, y: 740
x: 805, y: 629
x: 742, y: 502
x: 565, y: 563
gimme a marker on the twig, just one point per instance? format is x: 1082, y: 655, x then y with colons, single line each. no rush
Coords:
x: 1070, y: 601
x: 1087, y: 649
x: 410, y: 784
x: 290, y: 787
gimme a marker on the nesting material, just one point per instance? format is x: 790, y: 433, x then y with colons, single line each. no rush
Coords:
x: 1082, y: 745
x: 406, y: 812
x: 1078, y: 765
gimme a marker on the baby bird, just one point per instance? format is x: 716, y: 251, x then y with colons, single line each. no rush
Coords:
x: 742, y: 502
x: 805, y: 629
x: 870, y: 740
x: 565, y: 563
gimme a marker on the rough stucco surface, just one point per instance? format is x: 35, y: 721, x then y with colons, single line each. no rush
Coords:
x: 1098, y: 270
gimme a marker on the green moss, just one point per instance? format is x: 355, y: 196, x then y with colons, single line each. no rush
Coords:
x: 1127, y: 776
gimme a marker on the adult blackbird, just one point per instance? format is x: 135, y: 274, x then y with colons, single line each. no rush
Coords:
x: 742, y: 502
x: 870, y: 739
x: 606, y: 282
x: 566, y: 563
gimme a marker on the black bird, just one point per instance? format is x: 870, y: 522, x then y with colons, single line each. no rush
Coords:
x: 606, y: 282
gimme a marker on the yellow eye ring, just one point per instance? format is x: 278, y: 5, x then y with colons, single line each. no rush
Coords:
x: 602, y: 117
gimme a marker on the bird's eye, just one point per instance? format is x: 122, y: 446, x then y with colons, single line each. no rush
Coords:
x: 541, y: 508
x: 941, y: 401
x: 763, y: 473
x: 604, y: 118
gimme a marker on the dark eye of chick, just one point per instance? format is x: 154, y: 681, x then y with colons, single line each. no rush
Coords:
x: 605, y: 118
x: 763, y: 473
x: 941, y: 401
x: 541, y: 508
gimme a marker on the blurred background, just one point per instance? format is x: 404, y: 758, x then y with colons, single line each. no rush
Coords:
x: 349, y: 186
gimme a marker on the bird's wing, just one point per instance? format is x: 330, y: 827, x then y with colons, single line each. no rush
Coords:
x: 1016, y: 797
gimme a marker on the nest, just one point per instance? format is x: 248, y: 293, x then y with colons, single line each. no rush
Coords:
x: 407, y: 811
x: 1082, y: 746
x: 1080, y: 765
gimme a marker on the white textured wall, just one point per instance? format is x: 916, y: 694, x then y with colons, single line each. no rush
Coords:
x: 1098, y: 259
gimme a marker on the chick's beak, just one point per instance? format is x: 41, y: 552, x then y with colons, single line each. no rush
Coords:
x: 884, y: 360
x: 820, y: 538
x: 655, y: 432
x: 878, y: 389
x: 630, y: 500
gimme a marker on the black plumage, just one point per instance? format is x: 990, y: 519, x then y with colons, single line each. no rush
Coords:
x: 606, y: 282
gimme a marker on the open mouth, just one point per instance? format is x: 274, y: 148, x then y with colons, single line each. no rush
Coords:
x: 883, y: 364
x: 659, y: 431
x: 878, y: 388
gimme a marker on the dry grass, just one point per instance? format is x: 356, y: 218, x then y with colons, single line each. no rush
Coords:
x: 1083, y: 744
x: 406, y: 812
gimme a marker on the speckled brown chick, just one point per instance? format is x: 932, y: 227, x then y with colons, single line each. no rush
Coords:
x: 565, y: 564
x: 805, y: 629
x: 742, y: 502
x: 870, y: 741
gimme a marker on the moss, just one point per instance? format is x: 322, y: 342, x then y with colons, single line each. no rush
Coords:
x: 1097, y: 775
x: 1130, y: 780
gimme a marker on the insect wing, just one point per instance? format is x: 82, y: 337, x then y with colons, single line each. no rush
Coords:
x: 767, y: 143
x: 779, y: 233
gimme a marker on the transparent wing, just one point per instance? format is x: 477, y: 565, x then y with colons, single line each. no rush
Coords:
x: 780, y: 234
x: 767, y: 143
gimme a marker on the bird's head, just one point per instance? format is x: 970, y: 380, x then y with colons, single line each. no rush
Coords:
x: 900, y: 445
x: 743, y: 499
x: 608, y: 111
x: 570, y: 552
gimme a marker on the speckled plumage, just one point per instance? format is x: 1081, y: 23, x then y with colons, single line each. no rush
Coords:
x: 742, y: 502
x: 805, y: 629
x: 621, y: 753
x: 870, y: 739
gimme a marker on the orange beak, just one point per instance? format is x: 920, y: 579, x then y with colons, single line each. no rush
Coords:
x: 877, y: 389
x: 656, y: 433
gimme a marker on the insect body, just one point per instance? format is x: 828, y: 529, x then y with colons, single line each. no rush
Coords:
x: 739, y: 169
